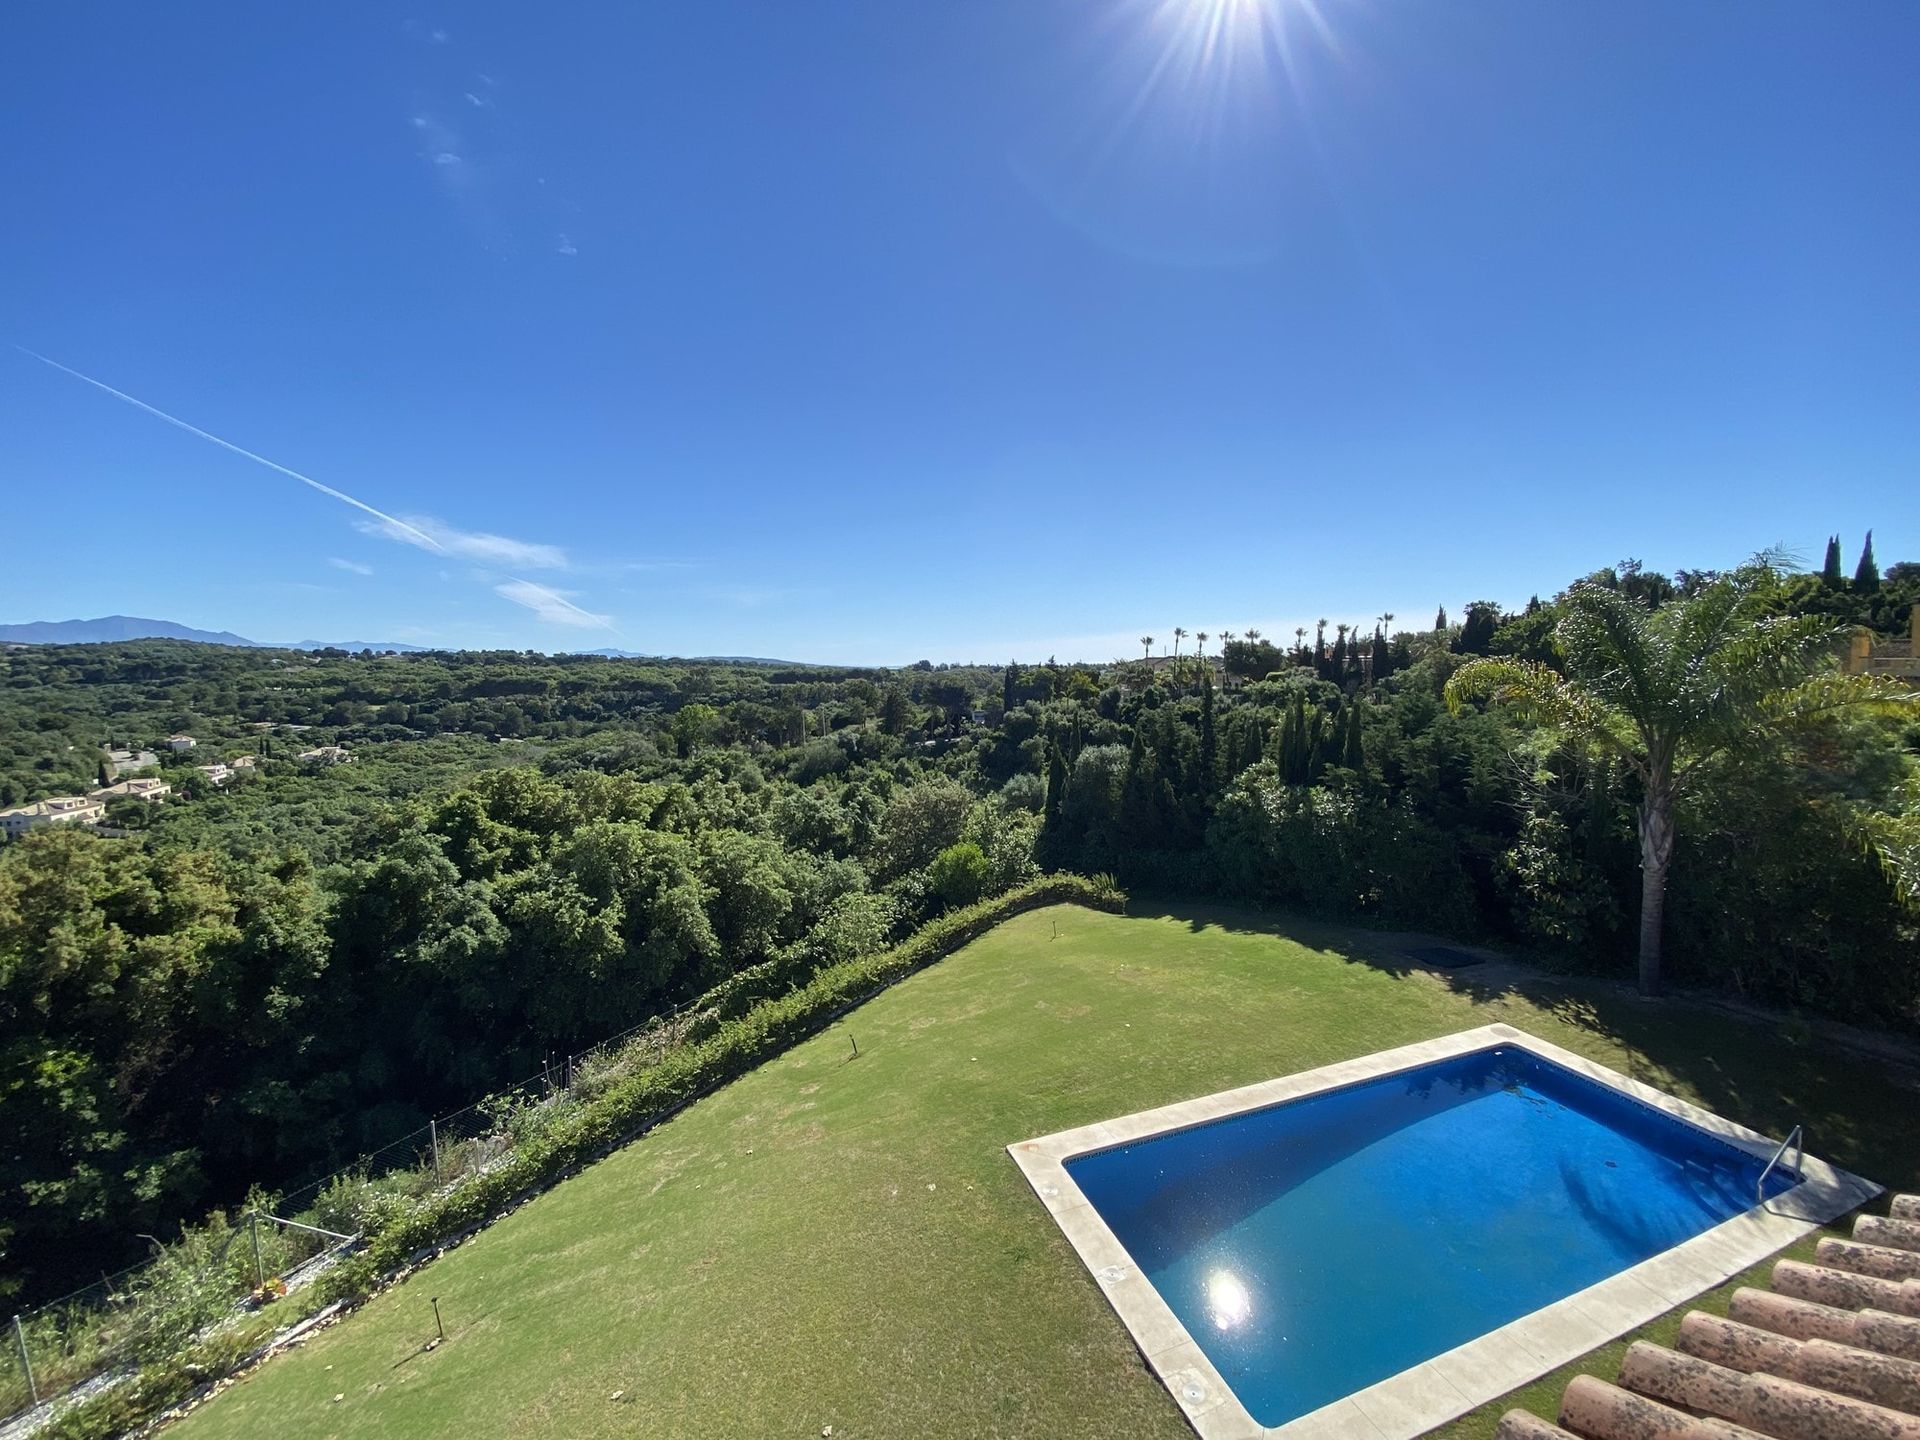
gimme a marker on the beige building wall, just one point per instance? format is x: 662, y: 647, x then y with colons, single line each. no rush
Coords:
x: 1899, y: 659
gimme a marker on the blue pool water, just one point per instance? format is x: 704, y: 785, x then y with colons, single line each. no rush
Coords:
x: 1317, y: 1246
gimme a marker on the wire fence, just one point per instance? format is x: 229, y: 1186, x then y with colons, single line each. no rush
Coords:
x: 230, y: 1272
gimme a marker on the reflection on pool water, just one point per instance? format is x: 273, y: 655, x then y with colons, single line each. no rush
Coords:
x: 1315, y: 1247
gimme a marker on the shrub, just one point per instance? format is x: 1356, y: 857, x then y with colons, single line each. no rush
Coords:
x: 958, y: 874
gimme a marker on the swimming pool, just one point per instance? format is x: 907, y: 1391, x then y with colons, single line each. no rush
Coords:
x: 1367, y: 1249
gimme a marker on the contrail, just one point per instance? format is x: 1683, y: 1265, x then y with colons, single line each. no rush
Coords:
x: 425, y: 539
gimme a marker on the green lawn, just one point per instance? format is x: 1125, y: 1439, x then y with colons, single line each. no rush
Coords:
x: 844, y: 1242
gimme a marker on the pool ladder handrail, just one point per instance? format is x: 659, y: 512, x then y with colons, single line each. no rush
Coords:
x: 1797, y: 1142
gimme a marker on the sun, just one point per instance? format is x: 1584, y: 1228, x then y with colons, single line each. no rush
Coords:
x: 1212, y: 38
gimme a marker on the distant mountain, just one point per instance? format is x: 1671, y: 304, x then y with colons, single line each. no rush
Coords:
x: 111, y: 628
x: 609, y: 653
x: 393, y: 645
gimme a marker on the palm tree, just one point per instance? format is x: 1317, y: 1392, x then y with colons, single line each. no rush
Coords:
x: 1200, y: 642
x: 1178, y: 635
x: 1669, y: 691
x: 1147, y: 641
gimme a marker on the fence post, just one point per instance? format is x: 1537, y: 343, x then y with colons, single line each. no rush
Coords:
x: 26, y: 1365
x: 569, y: 1072
x: 259, y: 1270
x: 433, y: 1134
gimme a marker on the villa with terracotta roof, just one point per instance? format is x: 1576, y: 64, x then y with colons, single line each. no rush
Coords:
x: 57, y: 810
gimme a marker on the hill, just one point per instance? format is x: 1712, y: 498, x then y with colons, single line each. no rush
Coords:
x: 109, y: 629
x: 843, y: 1242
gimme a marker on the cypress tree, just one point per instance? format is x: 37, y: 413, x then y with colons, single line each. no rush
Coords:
x: 1253, y: 745
x: 1353, y: 753
x: 1382, y: 656
x: 1830, y: 575
x: 1295, y: 750
x: 1866, y: 576
x: 1209, y: 742
x: 1006, y: 688
x: 1440, y: 620
x: 1056, y: 786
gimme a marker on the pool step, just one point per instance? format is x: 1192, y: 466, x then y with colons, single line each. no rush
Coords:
x: 1906, y: 1207
x: 1896, y: 1335
x: 1846, y: 1289
x: 1766, y: 1403
x: 1888, y: 1232
x: 1860, y: 1374
x: 1876, y: 1260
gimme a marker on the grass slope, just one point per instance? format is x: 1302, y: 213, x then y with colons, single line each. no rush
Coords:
x: 840, y: 1241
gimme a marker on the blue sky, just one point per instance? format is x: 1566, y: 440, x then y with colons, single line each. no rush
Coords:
x: 869, y: 331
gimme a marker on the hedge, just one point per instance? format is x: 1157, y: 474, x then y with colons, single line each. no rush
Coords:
x: 731, y: 1045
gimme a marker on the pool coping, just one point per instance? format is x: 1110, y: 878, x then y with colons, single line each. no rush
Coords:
x: 1450, y: 1384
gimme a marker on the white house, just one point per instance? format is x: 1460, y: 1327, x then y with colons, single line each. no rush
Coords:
x: 153, y: 791
x: 325, y: 755
x: 177, y: 743
x: 59, y: 810
x: 217, y: 772
x: 244, y: 762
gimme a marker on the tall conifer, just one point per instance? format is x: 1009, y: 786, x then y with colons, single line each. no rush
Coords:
x: 1209, y: 741
x: 1866, y: 576
x: 1353, y: 753
x: 1830, y: 575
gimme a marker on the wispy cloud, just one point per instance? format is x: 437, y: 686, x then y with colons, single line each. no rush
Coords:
x: 748, y: 597
x: 424, y: 533
x: 634, y: 567
x: 427, y: 533
x: 551, y: 606
x: 401, y: 529
x: 564, y: 246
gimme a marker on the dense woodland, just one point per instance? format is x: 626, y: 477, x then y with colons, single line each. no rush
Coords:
x: 530, y: 853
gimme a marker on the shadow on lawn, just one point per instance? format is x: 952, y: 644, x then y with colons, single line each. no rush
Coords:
x: 1757, y: 1069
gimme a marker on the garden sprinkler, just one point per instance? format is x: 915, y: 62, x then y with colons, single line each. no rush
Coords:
x: 435, y: 1302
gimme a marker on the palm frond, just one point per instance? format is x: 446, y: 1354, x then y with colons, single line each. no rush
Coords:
x: 1823, y: 696
x: 1540, y: 694
x: 1610, y: 643
x: 1894, y: 840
